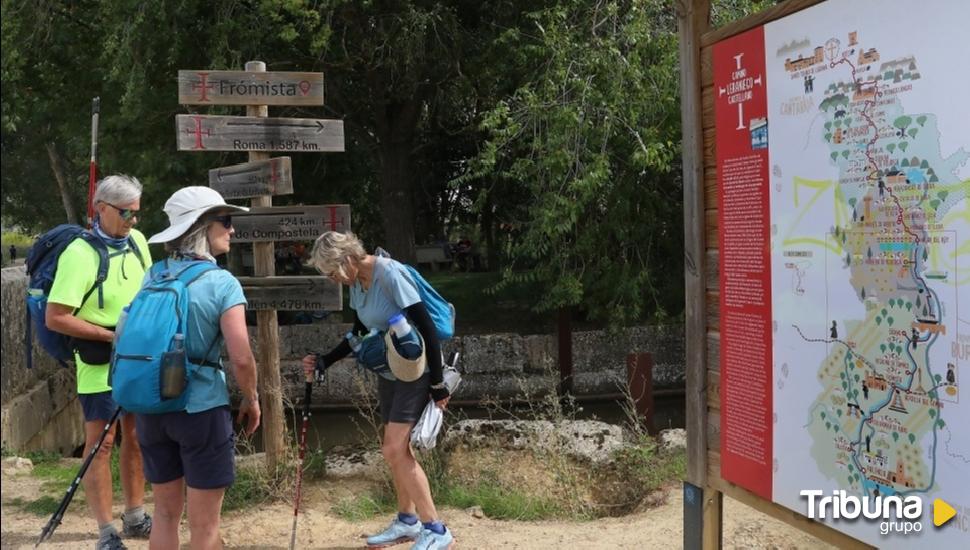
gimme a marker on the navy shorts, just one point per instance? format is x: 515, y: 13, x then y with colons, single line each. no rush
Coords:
x: 403, y: 401
x: 199, y: 447
x: 98, y: 406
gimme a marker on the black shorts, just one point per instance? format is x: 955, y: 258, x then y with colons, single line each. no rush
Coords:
x: 98, y: 406
x: 199, y: 447
x: 403, y: 401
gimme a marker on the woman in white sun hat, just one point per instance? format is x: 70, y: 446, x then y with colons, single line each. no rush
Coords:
x: 194, y: 448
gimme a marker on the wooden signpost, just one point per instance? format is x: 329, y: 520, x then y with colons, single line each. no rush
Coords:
x: 261, y: 178
x: 250, y: 88
x: 252, y: 179
x: 249, y: 133
x: 289, y: 223
x: 292, y: 293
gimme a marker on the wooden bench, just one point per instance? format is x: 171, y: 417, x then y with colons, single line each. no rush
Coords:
x: 433, y: 255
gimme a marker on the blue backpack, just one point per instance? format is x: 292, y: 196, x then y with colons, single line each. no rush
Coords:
x: 41, y: 265
x: 442, y: 311
x: 155, y: 325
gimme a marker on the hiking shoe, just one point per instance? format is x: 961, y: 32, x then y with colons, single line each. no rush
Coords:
x: 111, y: 542
x: 139, y: 530
x: 396, y: 533
x: 429, y: 540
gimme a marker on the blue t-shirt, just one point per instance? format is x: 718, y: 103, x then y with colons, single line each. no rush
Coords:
x: 209, y: 297
x: 391, y: 291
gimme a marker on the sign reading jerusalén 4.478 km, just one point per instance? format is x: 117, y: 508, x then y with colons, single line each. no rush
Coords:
x: 842, y: 156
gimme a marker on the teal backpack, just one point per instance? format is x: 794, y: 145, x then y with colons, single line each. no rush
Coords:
x: 442, y: 311
x: 153, y: 334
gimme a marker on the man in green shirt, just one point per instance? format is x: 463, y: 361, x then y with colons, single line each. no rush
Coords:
x: 90, y: 322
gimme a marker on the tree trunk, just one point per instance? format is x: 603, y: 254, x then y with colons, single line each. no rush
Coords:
x: 488, y: 232
x: 397, y: 210
x: 57, y: 168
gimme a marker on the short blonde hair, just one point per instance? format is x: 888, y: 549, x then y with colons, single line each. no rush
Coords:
x: 332, y: 249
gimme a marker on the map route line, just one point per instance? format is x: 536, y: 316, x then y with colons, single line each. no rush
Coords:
x: 873, y: 167
x: 949, y: 434
x: 836, y: 340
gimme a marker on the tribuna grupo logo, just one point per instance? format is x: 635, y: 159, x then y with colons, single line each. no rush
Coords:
x: 897, y: 514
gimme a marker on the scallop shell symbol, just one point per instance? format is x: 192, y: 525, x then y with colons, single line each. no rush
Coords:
x: 304, y: 87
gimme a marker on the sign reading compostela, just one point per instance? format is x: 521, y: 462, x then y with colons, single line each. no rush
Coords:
x: 843, y: 222
x: 249, y: 88
x: 289, y: 223
x: 251, y: 179
x: 242, y: 133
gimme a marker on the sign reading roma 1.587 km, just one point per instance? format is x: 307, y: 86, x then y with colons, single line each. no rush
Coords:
x: 242, y: 133
x: 842, y: 137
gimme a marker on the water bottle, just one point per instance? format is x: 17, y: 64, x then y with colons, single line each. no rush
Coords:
x: 356, y: 341
x: 399, y: 324
x: 173, y: 369
x: 404, y: 339
x: 120, y: 324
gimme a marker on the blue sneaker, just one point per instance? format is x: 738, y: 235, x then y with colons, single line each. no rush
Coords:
x: 429, y: 540
x: 396, y: 533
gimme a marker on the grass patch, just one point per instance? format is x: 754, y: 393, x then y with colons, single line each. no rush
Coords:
x: 499, y: 502
x: 362, y: 507
x: 249, y: 489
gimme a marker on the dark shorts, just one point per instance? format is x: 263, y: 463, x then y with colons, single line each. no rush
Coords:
x: 199, y: 447
x: 403, y: 401
x: 98, y: 406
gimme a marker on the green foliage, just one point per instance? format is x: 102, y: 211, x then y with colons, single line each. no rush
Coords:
x: 43, y: 506
x: 590, y: 140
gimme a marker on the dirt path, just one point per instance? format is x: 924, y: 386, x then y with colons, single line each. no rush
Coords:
x: 269, y: 526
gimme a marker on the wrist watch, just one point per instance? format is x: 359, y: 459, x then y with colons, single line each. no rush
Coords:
x: 439, y: 386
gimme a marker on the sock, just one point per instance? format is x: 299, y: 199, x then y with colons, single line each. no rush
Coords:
x: 407, y: 519
x: 135, y: 515
x: 435, y: 526
x: 104, y: 531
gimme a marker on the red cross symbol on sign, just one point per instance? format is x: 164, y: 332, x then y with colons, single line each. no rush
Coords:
x: 198, y: 132
x: 274, y: 172
x: 333, y: 218
x: 203, y: 84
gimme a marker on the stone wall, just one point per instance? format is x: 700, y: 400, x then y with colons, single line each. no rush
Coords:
x: 40, y: 409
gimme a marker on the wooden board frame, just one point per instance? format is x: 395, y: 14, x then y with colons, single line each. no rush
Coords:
x: 701, y: 272
x: 205, y: 87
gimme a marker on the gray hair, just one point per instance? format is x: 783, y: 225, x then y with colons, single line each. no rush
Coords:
x: 118, y: 189
x: 332, y: 249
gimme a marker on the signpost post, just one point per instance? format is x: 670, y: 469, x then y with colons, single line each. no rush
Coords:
x: 259, y: 179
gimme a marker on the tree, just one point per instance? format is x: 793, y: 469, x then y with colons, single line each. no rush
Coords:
x: 590, y: 137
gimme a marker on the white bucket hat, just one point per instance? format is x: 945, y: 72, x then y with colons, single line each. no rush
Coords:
x: 406, y: 370
x: 185, y: 206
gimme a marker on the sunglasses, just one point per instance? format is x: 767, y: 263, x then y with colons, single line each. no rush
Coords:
x: 225, y: 220
x: 126, y: 214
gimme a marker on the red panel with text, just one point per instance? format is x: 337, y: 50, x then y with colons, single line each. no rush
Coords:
x: 740, y: 108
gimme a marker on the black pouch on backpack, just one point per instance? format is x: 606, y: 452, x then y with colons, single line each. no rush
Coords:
x: 92, y: 352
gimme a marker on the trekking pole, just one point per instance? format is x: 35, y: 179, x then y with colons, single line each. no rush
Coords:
x: 93, y: 171
x: 299, y: 469
x: 59, y: 514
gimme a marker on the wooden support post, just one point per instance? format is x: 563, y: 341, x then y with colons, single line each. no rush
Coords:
x: 693, y: 21
x: 639, y: 378
x: 264, y: 263
x: 713, y: 538
x: 565, y: 331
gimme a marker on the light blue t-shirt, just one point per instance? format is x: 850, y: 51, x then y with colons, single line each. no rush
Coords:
x: 391, y: 290
x: 209, y: 297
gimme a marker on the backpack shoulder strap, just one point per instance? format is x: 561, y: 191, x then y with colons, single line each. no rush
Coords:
x: 102, y: 249
x: 191, y: 273
x: 137, y: 250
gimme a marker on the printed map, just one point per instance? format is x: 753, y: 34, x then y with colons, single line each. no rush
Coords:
x: 868, y: 139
